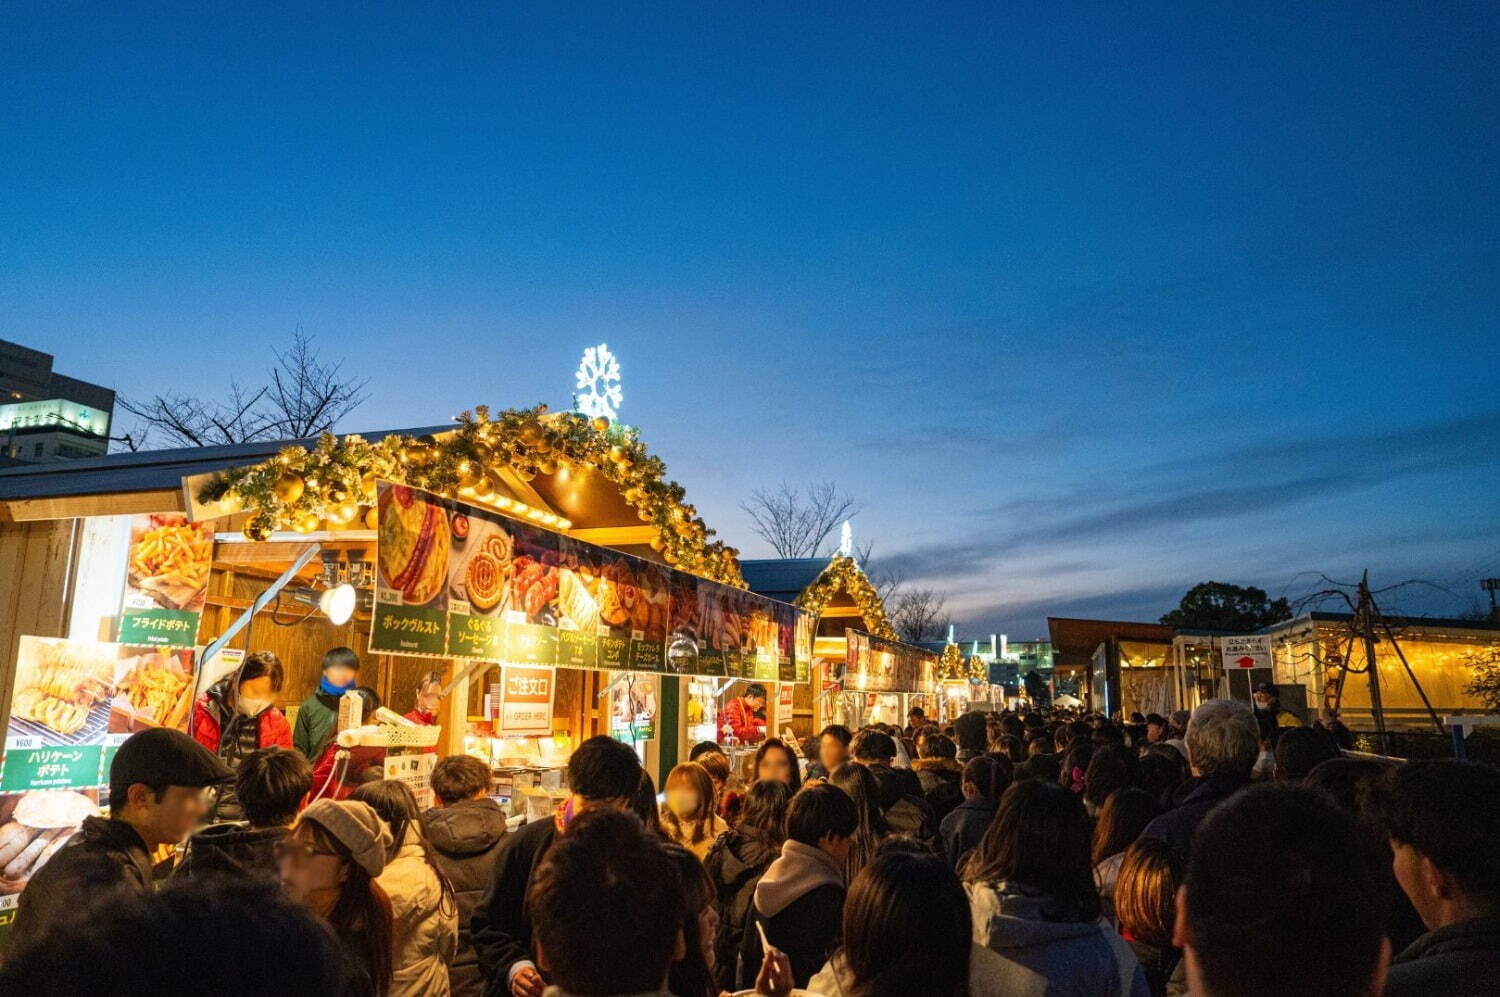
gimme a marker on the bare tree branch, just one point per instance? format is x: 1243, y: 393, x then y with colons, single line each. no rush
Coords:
x: 306, y: 396
x: 919, y: 614
x: 794, y: 524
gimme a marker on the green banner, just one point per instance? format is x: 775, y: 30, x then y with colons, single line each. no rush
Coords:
x: 577, y: 649
x: 530, y: 644
x: 52, y: 767
x: 409, y: 629
x: 476, y: 637
x: 647, y: 655
x: 159, y: 627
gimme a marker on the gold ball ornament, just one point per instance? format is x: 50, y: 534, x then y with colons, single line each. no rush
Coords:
x: 289, y: 487
x: 372, y: 518
x: 259, y: 528
x: 482, y: 486
x: 344, y: 512
x: 306, y: 523
x: 619, y: 455
x: 600, y: 424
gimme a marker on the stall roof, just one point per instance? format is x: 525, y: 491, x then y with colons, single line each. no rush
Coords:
x: 782, y: 578
x: 1074, y: 641
x: 148, y: 470
x: 1428, y: 623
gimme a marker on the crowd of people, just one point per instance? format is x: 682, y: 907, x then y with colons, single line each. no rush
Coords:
x: 1015, y: 853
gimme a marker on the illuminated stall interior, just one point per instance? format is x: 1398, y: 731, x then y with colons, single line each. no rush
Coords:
x: 1121, y: 667
x: 840, y: 595
x: 276, y: 504
x: 1313, y: 649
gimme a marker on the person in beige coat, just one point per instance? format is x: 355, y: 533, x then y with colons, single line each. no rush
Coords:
x: 426, y: 913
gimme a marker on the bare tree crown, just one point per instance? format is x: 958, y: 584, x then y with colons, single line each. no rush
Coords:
x: 797, y: 524
x: 306, y: 396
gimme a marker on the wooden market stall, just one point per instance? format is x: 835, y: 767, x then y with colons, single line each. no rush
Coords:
x: 839, y: 595
x: 291, y: 519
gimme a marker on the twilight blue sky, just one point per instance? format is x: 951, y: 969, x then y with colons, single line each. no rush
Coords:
x: 1084, y: 305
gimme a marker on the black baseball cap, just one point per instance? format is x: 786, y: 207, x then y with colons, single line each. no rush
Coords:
x: 1266, y: 688
x: 162, y: 756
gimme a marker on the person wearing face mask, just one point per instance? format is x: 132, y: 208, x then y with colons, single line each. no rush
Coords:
x: 237, y: 716
x: 429, y: 701
x: 688, y: 818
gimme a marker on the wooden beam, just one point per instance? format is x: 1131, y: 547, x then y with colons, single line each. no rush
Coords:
x: 78, y: 506
x: 616, y: 536
x: 261, y: 553
x: 841, y: 612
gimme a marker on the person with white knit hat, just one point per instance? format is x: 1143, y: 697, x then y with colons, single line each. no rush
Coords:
x: 330, y: 862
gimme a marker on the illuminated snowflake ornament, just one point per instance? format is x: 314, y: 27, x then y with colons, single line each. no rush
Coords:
x: 598, y: 378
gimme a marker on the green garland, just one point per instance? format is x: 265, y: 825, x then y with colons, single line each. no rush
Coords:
x: 333, y: 484
x: 843, y: 572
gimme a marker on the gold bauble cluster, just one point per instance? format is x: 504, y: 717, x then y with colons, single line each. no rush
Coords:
x: 332, y: 485
x: 843, y: 573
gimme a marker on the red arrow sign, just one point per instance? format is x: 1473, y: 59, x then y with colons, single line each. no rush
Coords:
x: 1246, y: 662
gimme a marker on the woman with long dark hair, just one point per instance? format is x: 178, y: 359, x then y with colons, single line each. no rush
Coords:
x: 774, y: 760
x: 1125, y: 815
x: 1146, y: 907
x: 735, y: 864
x: 688, y: 817
x: 1032, y: 896
x: 643, y: 804
x: 693, y: 975
x: 857, y: 780
x: 906, y: 902
x: 426, y: 926
x: 329, y: 862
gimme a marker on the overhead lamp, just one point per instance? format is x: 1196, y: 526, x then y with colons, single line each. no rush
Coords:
x: 337, y: 603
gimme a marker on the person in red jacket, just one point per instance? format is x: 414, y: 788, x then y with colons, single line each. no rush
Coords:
x: 744, y: 717
x: 429, y: 699
x: 237, y: 715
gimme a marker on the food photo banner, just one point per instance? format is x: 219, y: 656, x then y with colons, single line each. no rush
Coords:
x: 874, y: 664
x: 462, y: 581
x: 167, y: 580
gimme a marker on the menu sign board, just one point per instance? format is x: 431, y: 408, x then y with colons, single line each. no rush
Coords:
x: 167, y: 581
x: 461, y: 581
x: 633, y: 706
x: 874, y: 664
x: 526, y: 694
x: 74, y: 702
x: 411, y: 584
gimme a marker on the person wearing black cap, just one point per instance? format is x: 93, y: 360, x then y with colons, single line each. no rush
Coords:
x: 156, y: 783
x: 1268, y: 712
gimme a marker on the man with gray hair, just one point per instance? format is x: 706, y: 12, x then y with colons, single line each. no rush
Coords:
x: 1223, y: 742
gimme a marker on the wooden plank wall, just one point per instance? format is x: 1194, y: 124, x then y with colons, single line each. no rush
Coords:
x: 36, y: 564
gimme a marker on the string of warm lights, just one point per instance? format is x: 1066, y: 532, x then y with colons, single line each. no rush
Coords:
x: 332, y: 485
x: 843, y: 572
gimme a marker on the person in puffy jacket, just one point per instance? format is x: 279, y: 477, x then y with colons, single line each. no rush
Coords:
x: 466, y: 829
x: 425, y: 926
x: 940, y: 774
x: 270, y: 786
x: 736, y: 863
x: 237, y: 715
x: 1033, y: 901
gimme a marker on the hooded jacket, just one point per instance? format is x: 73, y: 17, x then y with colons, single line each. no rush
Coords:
x: 963, y: 829
x: 799, y: 900
x: 232, y: 849
x: 426, y: 922
x: 1458, y: 959
x: 988, y: 975
x: 942, y: 784
x: 905, y: 812
x: 1047, y: 957
x: 104, y: 856
x: 735, y: 864
x: 466, y: 837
